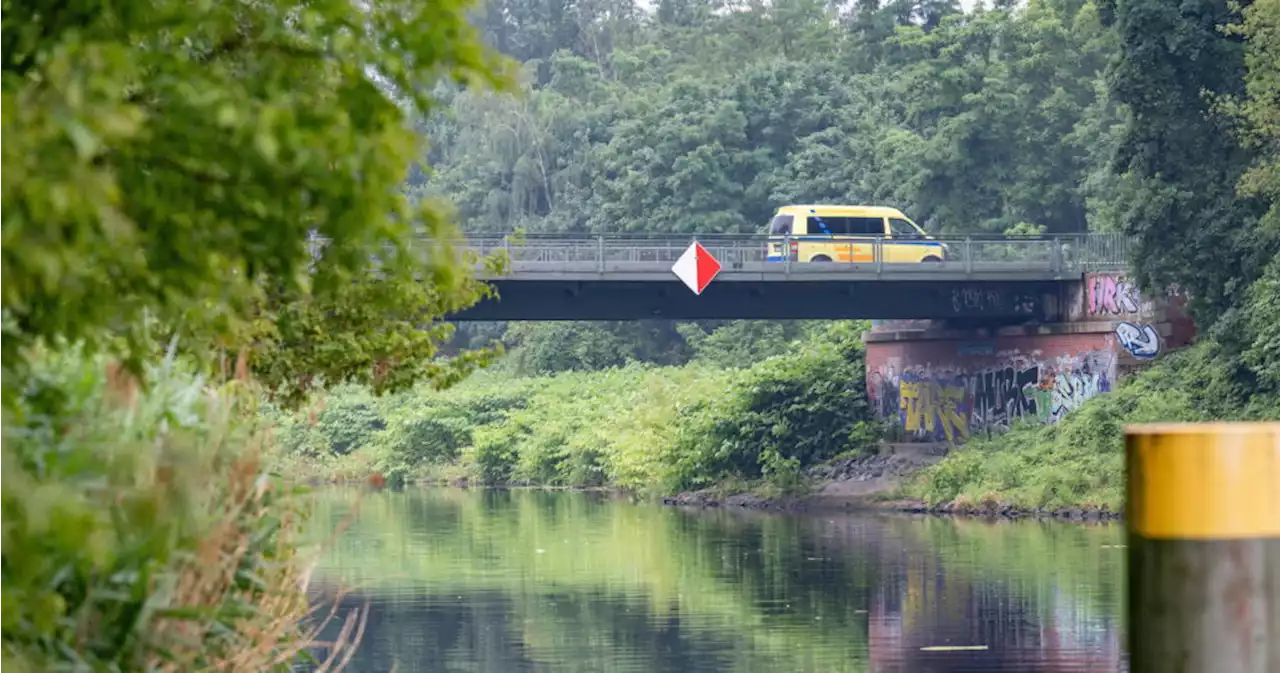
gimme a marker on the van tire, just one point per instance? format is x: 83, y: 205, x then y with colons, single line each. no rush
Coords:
x: 931, y: 258
x: 819, y: 258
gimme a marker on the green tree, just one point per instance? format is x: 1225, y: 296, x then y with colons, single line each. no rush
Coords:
x: 1259, y: 114
x: 171, y: 160
x: 1178, y: 162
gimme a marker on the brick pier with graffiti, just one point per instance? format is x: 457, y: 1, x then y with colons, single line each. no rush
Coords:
x: 944, y: 385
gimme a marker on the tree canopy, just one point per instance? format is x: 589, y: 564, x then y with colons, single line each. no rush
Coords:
x: 703, y: 116
x: 169, y: 162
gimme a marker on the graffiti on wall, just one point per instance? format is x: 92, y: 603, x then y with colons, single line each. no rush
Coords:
x: 975, y: 299
x: 1110, y: 294
x: 1115, y: 296
x: 948, y: 404
x: 934, y: 408
x: 1141, y: 341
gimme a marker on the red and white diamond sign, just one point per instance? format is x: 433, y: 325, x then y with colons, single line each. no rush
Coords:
x: 696, y: 267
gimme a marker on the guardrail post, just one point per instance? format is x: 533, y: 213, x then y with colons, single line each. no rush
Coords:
x: 1055, y: 257
x: 600, y: 253
x: 786, y: 256
x: 968, y: 255
x: 877, y: 253
x: 1203, y: 502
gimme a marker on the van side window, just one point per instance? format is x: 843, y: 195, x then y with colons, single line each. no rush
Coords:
x: 780, y: 225
x: 902, y: 228
x: 846, y: 226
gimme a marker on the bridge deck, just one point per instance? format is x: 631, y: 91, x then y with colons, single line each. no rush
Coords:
x: 776, y: 272
x: 745, y: 258
x: 985, y: 279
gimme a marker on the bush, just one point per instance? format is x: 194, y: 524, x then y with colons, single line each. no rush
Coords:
x: 141, y: 532
x: 552, y: 347
x: 348, y: 419
x: 785, y: 413
x: 741, y: 343
x: 653, y: 429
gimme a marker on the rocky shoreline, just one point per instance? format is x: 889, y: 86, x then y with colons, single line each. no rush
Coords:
x: 866, y: 483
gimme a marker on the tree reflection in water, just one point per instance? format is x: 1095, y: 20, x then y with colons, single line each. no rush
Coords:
x: 538, y: 581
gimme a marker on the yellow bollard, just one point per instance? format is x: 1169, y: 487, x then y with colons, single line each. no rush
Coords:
x: 1203, y: 506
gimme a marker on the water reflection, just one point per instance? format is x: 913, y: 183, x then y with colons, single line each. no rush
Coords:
x: 499, y: 581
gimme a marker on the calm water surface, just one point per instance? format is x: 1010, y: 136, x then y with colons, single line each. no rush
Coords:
x: 515, y: 581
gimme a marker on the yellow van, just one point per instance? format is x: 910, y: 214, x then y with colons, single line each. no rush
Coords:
x: 846, y: 234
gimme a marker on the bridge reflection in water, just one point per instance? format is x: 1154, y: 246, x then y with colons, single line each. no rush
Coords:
x: 922, y: 621
x: 535, y: 581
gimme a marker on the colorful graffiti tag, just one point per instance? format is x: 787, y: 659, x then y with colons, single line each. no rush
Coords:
x: 934, y: 408
x: 1113, y: 295
x: 1142, y: 341
x: 949, y: 404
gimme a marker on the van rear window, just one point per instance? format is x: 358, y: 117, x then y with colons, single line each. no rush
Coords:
x: 854, y: 226
x: 781, y: 225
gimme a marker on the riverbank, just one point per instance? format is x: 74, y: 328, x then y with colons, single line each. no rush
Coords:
x: 876, y: 482
x: 819, y: 503
x: 1072, y: 470
x: 790, y: 432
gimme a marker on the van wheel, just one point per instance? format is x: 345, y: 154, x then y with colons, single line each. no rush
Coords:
x: 819, y: 258
x: 931, y: 258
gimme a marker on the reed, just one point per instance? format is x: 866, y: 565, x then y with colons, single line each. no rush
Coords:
x: 143, y: 531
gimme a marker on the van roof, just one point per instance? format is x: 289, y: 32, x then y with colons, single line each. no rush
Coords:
x: 831, y: 209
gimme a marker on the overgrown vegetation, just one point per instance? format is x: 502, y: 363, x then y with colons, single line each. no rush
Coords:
x: 1080, y: 460
x: 1202, y: 194
x: 642, y: 427
x: 142, y: 530
x: 224, y: 179
x: 231, y: 173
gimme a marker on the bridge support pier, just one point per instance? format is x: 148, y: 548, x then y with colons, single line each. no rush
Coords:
x: 944, y: 380
x: 1204, y: 548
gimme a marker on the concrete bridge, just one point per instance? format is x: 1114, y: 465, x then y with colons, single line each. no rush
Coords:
x: 1003, y: 329
x: 983, y: 279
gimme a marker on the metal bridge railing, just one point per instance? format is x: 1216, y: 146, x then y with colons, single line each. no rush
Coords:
x: 1054, y: 254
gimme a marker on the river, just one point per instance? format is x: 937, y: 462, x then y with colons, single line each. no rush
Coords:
x: 527, y: 580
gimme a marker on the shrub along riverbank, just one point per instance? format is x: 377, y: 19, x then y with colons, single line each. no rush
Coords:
x: 641, y: 427
x: 1079, y: 462
x: 142, y: 528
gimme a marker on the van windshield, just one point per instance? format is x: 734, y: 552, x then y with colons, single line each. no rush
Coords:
x: 780, y: 225
x: 903, y: 229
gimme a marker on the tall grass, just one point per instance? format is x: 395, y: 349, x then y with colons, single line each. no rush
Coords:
x: 142, y: 532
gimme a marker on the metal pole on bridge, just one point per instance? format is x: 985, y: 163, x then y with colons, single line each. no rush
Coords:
x: 1203, y: 504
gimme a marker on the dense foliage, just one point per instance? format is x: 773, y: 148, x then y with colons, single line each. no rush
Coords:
x: 172, y: 161
x: 652, y: 429
x: 705, y: 116
x: 141, y: 530
x: 226, y: 179
x: 1198, y: 165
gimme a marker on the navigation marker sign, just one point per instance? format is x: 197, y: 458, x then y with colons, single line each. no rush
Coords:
x: 696, y: 267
